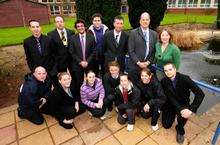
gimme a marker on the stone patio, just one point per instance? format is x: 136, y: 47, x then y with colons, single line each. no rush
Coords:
x: 90, y: 131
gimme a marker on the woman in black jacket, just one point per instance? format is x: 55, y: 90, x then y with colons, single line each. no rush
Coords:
x: 152, y: 97
x: 127, y: 98
x: 64, y: 103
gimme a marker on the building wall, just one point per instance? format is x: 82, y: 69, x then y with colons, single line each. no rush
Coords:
x: 207, y: 11
x: 13, y: 17
x: 19, y: 12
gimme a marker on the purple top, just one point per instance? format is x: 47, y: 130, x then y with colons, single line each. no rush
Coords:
x: 90, y: 93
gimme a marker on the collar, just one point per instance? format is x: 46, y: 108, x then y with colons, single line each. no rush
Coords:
x: 145, y: 30
x: 116, y: 33
x: 84, y: 34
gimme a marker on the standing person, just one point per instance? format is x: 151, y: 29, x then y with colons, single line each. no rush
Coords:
x: 82, y: 50
x: 127, y: 98
x: 98, y: 30
x: 141, y: 47
x: 111, y: 80
x: 177, y: 87
x: 116, y: 44
x: 60, y: 38
x: 166, y: 51
x: 64, y: 103
x: 39, y: 50
x: 33, y: 95
x: 152, y: 97
x: 92, y: 95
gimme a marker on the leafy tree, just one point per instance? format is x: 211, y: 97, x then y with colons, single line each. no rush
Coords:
x: 156, y: 9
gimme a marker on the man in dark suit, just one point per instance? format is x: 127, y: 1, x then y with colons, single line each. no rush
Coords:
x: 141, y: 47
x: 82, y: 50
x: 177, y: 88
x: 115, y: 44
x: 39, y: 50
x: 60, y: 38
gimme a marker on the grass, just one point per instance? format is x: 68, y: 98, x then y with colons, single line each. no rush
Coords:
x: 16, y: 35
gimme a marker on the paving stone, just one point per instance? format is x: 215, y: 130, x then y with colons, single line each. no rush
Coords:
x: 17, y: 119
x: 61, y: 134
x: 85, y: 121
x: 75, y: 141
x: 166, y: 137
x: 26, y: 128
x: 144, y: 125
x: 8, y: 109
x: 214, y: 126
x: 109, y: 140
x: 14, y: 143
x: 130, y: 138
x: 147, y: 141
x: 7, y: 135
x: 39, y: 138
x: 192, y: 130
x: 50, y: 120
x: 113, y: 124
x: 95, y: 134
x: 204, y: 138
x: 7, y: 119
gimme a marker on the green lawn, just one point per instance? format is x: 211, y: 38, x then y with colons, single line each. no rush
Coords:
x: 16, y: 35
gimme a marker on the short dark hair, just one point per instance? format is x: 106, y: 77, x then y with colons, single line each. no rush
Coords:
x: 32, y: 20
x: 96, y: 15
x: 125, y: 74
x: 119, y: 17
x: 169, y: 63
x: 113, y: 63
x: 79, y: 21
x: 89, y: 71
x: 168, y: 31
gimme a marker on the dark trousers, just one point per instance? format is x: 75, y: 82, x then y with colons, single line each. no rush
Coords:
x: 130, y: 116
x: 98, y: 112
x: 68, y: 112
x: 168, y: 117
x: 153, y: 113
x: 97, y: 64
x: 109, y: 100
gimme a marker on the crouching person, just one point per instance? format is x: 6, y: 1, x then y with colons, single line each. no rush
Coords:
x: 177, y: 87
x: 92, y: 95
x: 127, y: 98
x: 152, y: 97
x: 64, y: 103
x: 33, y: 96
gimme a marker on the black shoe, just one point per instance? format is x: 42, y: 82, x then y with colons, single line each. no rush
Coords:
x: 20, y: 115
x: 180, y: 138
x: 66, y: 126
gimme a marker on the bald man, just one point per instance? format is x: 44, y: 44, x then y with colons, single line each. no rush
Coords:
x: 61, y: 37
x: 141, y: 47
x: 33, y: 95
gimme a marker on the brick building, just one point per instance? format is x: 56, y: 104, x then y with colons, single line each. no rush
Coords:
x: 19, y: 12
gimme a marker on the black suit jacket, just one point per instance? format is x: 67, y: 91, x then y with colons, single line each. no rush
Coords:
x: 62, y: 56
x: 33, y: 56
x: 76, y: 51
x: 137, y: 47
x: 179, y: 96
x: 112, y: 51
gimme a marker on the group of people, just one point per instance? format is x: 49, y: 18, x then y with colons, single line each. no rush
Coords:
x: 89, y: 70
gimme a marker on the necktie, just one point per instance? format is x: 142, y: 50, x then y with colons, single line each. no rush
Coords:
x: 146, y: 41
x: 39, y: 46
x: 63, y: 38
x: 83, y: 47
x: 116, y: 39
x: 125, y: 95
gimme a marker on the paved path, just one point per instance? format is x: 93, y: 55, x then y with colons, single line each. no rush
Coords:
x: 89, y: 131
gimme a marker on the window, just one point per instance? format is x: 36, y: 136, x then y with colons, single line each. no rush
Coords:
x: 67, y: 9
x: 55, y: 10
x: 44, y: 1
x: 59, y: 1
x: 216, y: 3
x: 205, y: 3
x: 182, y: 3
x: 171, y: 3
x: 192, y: 3
x: 50, y: 1
x: 124, y: 9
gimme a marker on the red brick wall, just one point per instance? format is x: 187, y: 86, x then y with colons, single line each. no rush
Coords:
x: 209, y: 11
x: 11, y: 13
